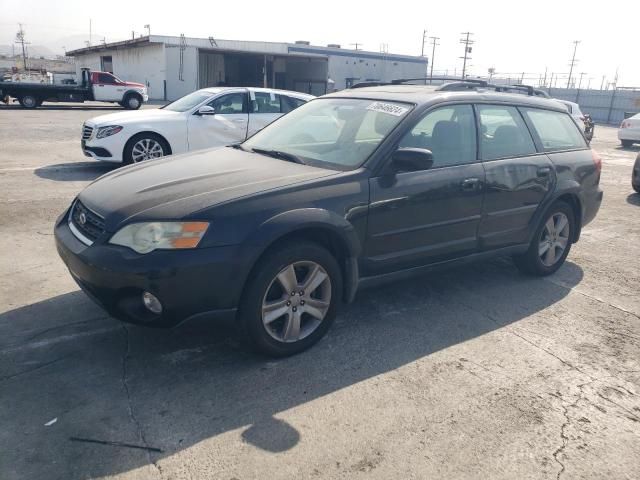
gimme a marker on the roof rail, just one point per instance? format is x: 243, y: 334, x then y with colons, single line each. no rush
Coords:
x: 369, y: 84
x: 476, y: 81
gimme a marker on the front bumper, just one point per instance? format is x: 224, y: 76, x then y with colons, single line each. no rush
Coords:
x: 194, y: 283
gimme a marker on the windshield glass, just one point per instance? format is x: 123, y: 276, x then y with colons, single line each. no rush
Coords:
x: 188, y: 102
x: 337, y: 133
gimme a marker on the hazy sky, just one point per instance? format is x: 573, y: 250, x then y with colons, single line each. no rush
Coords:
x: 513, y: 36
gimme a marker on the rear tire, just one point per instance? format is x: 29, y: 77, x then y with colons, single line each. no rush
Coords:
x: 636, y: 187
x: 28, y: 101
x: 134, y: 150
x: 626, y: 143
x: 551, y: 242
x: 300, y: 265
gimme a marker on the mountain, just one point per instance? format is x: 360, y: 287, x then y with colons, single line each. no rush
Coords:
x: 36, y: 51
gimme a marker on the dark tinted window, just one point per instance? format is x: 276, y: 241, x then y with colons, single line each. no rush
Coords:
x: 556, y: 130
x: 266, y: 103
x: 503, y: 133
x: 450, y: 134
x: 230, y: 104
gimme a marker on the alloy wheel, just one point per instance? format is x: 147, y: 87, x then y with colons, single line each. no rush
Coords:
x: 296, y: 301
x: 554, y: 239
x: 146, y: 149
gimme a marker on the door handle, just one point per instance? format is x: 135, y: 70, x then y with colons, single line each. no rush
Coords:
x: 544, y: 171
x: 470, y: 184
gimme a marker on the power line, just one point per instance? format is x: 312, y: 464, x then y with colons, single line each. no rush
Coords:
x: 467, y: 42
x: 573, y: 61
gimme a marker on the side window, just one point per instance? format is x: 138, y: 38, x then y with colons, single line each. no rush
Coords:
x: 266, y: 103
x: 503, y: 133
x: 556, y: 130
x: 106, y: 78
x: 449, y: 132
x: 290, y: 103
x: 230, y: 104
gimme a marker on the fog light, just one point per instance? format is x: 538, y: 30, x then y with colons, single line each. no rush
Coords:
x: 152, y: 303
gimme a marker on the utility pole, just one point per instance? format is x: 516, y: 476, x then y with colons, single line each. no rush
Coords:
x: 582, y: 74
x: 90, y: 33
x: 544, y: 82
x: 20, y: 39
x: 424, y: 40
x: 148, y: 27
x: 434, y: 43
x: 467, y: 42
x: 602, y: 84
x: 573, y: 61
x: 356, y: 45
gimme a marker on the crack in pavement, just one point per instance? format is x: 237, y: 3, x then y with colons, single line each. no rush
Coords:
x: 132, y: 415
x: 34, y: 369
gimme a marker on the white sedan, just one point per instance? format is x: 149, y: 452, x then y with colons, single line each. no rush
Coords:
x: 206, y: 118
x: 629, y: 131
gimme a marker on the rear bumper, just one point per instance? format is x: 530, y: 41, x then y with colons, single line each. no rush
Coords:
x: 189, y: 283
x: 630, y: 134
x: 591, y: 206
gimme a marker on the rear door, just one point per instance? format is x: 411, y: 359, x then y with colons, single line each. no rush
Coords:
x: 226, y: 126
x: 417, y: 218
x: 518, y: 178
x: 265, y: 108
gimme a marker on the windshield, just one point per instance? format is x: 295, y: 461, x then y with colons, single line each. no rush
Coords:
x: 337, y: 133
x: 188, y: 102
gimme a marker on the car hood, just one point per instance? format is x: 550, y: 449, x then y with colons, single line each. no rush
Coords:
x: 137, y: 116
x: 135, y: 84
x: 176, y: 187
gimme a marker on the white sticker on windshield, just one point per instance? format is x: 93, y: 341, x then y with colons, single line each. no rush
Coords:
x: 389, y: 108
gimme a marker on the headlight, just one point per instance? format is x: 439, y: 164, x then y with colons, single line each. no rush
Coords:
x: 146, y: 237
x: 108, y: 131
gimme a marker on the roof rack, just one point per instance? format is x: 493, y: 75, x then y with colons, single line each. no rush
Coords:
x: 457, y: 84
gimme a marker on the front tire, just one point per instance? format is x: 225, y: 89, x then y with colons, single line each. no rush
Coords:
x: 132, y: 102
x: 291, y: 299
x: 551, y: 242
x: 145, y: 146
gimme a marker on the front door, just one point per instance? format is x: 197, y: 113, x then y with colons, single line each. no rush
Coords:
x: 107, y: 88
x: 518, y: 178
x: 417, y: 218
x: 226, y: 126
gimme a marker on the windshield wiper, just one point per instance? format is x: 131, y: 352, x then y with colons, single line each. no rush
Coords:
x: 289, y: 157
x: 237, y: 146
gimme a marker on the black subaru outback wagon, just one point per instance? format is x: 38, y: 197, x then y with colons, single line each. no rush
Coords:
x: 353, y: 188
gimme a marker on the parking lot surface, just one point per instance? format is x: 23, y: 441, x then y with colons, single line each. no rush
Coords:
x: 477, y: 372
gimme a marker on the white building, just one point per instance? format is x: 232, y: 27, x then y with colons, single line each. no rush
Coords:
x: 174, y: 66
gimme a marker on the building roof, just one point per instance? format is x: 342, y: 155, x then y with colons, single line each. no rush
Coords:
x: 268, y: 48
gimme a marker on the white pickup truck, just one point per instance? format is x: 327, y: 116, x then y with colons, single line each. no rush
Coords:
x: 99, y: 86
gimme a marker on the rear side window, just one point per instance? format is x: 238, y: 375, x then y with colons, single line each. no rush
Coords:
x: 290, y: 103
x: 267, y: 103
x: 449, y: 132
x: 503, y: 133
x: 556, y: 130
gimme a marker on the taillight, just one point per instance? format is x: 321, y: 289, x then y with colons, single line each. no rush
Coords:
x: 624, y: 125
x: 597, y: 160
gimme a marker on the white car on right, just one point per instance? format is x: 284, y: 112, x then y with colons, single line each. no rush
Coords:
x: 629, y: 131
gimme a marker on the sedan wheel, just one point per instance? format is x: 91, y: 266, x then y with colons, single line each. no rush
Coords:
x: 296, y: 301
x: 554, y: 239
x: 146, y: 149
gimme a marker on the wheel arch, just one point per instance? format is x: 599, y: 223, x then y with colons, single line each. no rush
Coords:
x: 569, y: 195
x: 325, y: 228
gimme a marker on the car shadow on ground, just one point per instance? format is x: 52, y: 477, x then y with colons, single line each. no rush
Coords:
x: 633, y: 148
x: 634, y: 199
x: 172, y: 389
x: 74, y: 171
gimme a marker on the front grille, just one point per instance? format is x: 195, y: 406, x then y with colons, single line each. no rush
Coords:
x: 89, y: 224
x: 86, y: 132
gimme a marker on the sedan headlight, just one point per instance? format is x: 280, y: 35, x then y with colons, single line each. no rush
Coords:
x: 146, y: 237
x: 108, y: 131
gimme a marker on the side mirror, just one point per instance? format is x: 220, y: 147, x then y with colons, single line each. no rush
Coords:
x: 206, y: 110
x: 412, y: 159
